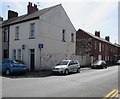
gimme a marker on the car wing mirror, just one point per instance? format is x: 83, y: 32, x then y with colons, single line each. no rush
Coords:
x: 69, y: 64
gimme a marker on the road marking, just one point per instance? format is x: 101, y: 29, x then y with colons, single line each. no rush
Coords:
x: 112, y: 94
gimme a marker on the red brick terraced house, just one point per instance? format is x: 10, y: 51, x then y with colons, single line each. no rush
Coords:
x: 96, y: 47
x: 118, y: 50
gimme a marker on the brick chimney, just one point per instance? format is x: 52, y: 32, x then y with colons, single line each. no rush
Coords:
x: 97, y: 33
x: 12, y: 14
x: 31, y: 9
x: 107, y: 38
x: 1, y: 19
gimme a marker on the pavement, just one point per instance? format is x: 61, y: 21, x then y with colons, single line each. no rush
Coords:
x: 35, y: 74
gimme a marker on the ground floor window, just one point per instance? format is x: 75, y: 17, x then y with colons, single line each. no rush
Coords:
x: 14, y: 54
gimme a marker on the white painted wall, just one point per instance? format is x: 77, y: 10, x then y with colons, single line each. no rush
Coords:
x: 83, y: 60
x: 48, y: 32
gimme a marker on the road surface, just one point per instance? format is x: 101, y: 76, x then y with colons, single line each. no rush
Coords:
x: 87, y: 83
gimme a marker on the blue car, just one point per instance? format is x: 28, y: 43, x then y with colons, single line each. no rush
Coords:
x: 10, y: 66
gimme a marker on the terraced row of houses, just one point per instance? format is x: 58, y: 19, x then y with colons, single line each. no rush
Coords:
x: 41, y: 38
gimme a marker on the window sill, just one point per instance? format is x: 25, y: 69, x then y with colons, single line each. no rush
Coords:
x: 32, y: 38
x: 16, y: 39
x: 5, y: 41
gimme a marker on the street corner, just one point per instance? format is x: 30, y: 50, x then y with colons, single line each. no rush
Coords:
x: 114, y: 94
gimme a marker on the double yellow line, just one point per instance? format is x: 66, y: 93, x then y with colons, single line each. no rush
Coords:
x: 113, y: 94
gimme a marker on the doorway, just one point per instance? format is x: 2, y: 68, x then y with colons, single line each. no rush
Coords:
x: 32, y: 59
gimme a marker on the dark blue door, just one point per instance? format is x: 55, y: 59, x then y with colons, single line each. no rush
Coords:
x: 32, y: 59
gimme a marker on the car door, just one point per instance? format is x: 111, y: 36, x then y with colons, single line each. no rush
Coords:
x: 75, y: 65
x: 71, y: 66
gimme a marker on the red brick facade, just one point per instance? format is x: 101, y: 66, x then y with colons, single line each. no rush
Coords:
x: 12, y: 14
x: 99, y: 48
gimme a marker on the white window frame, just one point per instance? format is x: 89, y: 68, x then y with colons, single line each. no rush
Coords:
x: 14, y: 53
x: 6, y: 35
x: 32, y: 30
x: 17, y: 30
x: 100, y: 47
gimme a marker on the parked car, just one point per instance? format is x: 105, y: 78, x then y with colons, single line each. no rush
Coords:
x: 99, y: 64
x: 118, y: 62
x: 66, y: 66
x: 10, y: 66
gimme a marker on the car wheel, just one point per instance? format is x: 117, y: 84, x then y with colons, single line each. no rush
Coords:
x: 105, y: 66
x: 7, y: 72
x: 102, y: 67
x: 78, y: 70
x: 66, y: 72
x: 24, y: 72
x: 92, y: 68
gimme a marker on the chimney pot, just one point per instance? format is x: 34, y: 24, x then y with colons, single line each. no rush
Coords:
x: 31, y: 8
x: 97, y: 33
x: 1, y: 19
x: 107, y: 38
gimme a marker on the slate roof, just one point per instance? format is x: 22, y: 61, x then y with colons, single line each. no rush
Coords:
x: 96, y: 37
x: 27, y: 16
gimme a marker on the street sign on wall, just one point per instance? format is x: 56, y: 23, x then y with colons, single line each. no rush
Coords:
x: 40, y: 45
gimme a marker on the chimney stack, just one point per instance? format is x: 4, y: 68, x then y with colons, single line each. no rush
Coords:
x: 97, y: 33
x: 12, y: 14
x: 31, y: 9
x: 107, y: 38
x: 1, y: 19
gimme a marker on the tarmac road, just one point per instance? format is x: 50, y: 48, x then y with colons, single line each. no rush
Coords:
x: 87, y: 83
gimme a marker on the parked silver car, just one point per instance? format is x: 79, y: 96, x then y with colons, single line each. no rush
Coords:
x: 99, y: 64
x: 118, y: 62
x: 66, y: 66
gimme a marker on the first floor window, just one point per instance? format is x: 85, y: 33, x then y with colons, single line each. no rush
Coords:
x: 5, y: 35
x: 32, y: 30
x: 99, y: 47
x: 17, y: 33
x: 95, y: 45
x: 14, y: 54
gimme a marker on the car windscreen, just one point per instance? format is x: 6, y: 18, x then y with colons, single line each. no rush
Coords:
x: 63, y: 63
x: 18, y: 62
x: 97, y: 62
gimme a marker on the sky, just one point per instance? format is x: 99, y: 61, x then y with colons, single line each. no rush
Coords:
x: 89, y: 15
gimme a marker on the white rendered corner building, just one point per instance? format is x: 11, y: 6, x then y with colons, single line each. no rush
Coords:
x: 42, y: 38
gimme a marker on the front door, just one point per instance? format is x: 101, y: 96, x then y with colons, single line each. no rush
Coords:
x: 32, y: 59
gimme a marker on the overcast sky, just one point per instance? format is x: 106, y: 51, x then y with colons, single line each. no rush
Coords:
x: 89, y: 15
